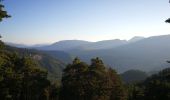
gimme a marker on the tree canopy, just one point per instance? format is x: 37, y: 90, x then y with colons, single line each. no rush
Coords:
x: 81, y: 81
x: 156, y: 87
x: 168, y: 20
x: 3, y: 13
x: 21, y: 77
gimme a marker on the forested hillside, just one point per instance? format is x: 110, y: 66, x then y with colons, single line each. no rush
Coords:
x: 23, y: 77
x: 53, y: 65
x: 156, y: 87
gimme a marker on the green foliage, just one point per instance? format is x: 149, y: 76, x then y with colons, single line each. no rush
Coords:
x: 91, y: 82
x: 1, y: 43
x: 156, y: 87
x: 135, y: 92
x: 46, y: 61
x: 21, y: 78
x: 3, y: 13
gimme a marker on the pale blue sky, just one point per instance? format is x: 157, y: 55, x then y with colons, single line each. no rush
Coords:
x: 48, y: 21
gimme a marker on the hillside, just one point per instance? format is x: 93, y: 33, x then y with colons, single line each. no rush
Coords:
x: 53, y: 65
x: 133, y: 76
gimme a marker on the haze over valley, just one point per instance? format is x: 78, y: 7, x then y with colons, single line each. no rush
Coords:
x: 147, y: 54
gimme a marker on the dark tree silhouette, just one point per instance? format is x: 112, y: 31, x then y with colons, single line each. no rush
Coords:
x: 168, y: 20
x: 3, y: 13
x: 81, y: 81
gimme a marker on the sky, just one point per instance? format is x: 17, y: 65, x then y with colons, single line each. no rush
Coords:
x: 48, y: 21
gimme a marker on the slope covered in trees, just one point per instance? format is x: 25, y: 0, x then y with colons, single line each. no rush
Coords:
x: 46, y: 61
x: 156, y: 87
x: 20, y: 77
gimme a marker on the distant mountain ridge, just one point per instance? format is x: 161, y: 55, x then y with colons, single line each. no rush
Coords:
x: 64, y: 45
x: 105, y: 44
x: 67, y: 45
x: 136, y: 38
x: 147, y: 54
x: 24, y: 45
x: 139, y: 53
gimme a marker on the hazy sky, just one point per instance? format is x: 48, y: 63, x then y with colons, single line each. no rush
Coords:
x: 47, y: 21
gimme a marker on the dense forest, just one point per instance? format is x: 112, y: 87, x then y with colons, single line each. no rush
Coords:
x: 23, y: 78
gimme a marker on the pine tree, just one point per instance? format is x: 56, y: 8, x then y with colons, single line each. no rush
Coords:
x: 91, y: 82
x: 3, y: 13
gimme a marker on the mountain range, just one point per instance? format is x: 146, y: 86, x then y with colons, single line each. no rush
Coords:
x: 147, y: 54
x: 67, y: 45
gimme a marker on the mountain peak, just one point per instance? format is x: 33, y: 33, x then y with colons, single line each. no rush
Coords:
x: 70, y: 42
x: 136, y: 38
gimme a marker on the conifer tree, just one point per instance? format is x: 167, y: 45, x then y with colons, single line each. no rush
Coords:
x: 3, y: 13
x: 91, y: 82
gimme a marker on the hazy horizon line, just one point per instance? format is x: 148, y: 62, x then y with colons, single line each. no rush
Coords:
x: 48, y: 43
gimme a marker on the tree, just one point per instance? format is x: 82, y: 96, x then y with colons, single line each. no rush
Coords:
x: 21, y: 78
x: 74, y: 81
x: 157, y: 87
x: 117, y: 89
x: 135, y: 92
x: 3, y: 13
x: 1, y: 44
x: 91, y: 82
x: 168, y: 20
